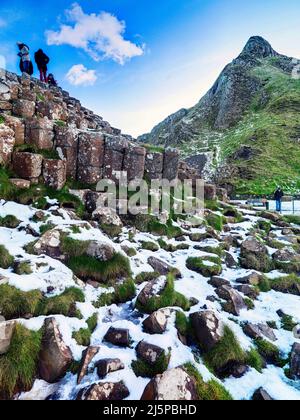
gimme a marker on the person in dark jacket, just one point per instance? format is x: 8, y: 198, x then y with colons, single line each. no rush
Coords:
x: 25, y: 61
x: 51, y: 80
x: 42, y: 60
x: 278, y: 198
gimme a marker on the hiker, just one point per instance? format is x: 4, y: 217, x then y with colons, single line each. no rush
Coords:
x: 25, y: 62
x: 42, y: 60
x: 51, y: 80
x: 278, y: 198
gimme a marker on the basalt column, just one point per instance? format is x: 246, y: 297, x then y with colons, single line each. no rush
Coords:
x: 90, y: 157
x: 115, y: 149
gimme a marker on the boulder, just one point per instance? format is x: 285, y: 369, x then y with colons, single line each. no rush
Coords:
x: 254, y: 255
x: 152, y: 288
x: 162, y: 267
x: 104, y: 392
x: 27, y: 165
x: 107, y: 216
x: 23, y: 108
x: 106, y: 366
x: 87, y: 357
x: 134, y: 162
x: 49, y: 244
x: 259, y: 331
x: 217, y: 282
x: 252, y: 279
x: 208, y: 329
x: 210, y: 192
x: 261, y: 395
x: 173, y: 385
x: 7, y: 142
x: 296, y: 332
x: 6, y: 333
x: 171, y: 164
x: 235, y: 302
x: 40, y: 133
x: 273, y: 217
x: 248, y: 291
x: 286, y: 255
x: 100, y: 250
x: 55, y: 356
x: 54, y: 173
x: 295, y: 362
x: 156, y: 323
x: 118, y: 337
x: 230, y: 261
x: 154, y: 165
x: 21, y: 184
x: 149, y: 353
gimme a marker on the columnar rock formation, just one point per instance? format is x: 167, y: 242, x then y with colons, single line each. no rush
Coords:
x: 66, y: 140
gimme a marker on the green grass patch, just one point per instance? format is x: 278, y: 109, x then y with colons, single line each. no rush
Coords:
x: 124, y: 292
x: 86, y: 268
x: 46, y: 227
x: 213, y: 267
x: 9, y: 221
x: 7, y: 189
x: 15, y: 304
x: 145, y: 370
x: 146, y: 277
x: 22, y: 268
x: 288, y: 323
x: 150, y: 246
x: 169, y: 297
x: 215, y: 221
x: 83, y: 336
x: 255, y: 360
x: 18, y: 367
x: 6, y: 260
x: 269, y: 352
x: 288, y: 284
x: 207, y: 391
x: 64, y: 304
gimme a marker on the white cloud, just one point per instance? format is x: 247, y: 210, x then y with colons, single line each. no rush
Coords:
x: 101, y: 36
x: 79, y: 75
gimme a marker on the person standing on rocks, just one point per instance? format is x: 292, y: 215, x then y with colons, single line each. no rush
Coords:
x: 278, y: 198
x: 25, y: 63
x: 42, y: 61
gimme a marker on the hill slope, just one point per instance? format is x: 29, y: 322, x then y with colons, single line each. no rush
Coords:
x: 249, y: 122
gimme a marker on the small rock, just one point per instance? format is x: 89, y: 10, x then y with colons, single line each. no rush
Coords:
x: 152, y: 288
x: 247, y: 291
x: 104, y: 392
x: 259, y: 331
x: 148, y: 352
x: 100, y: 250
x: 295, y: 362
x: 230, y: 261
x: 235, y: 301
x: 106, y: 366
x: 156, y: 323
x: 261, y: 395
x: 55, y: 356
x: 172, y: 385
x: 162, y: 267
x: 252, y: 279
x: 296, y: 332
x: 118, y: 337
x: 6, y: 333
x: 208, y: 329
x: 87, y: 356
x: 218, y: 282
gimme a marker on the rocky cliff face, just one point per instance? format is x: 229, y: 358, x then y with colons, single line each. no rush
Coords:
x: 247, y: 92
x: 47, y: 136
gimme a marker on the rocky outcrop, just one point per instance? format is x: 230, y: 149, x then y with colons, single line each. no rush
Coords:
x: 156, y: 323
x: 118, y: 337
x: 208, y: 329
x: 104, y: 392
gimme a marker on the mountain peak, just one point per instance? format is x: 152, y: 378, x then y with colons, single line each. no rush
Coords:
x: 259, y: 47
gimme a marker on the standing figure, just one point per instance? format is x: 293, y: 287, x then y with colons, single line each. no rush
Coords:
x: 42, y: 60
x: 278, y: 198
x: 25, y: 62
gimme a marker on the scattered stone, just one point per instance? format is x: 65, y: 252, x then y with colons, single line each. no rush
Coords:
x: 156, y: 323
x: 261, y: 395
x: 163, y: 268
x: 210, y: 192
x: 106, y: 366
x: 49, y: 244
x: 87, y: 357
x: 248, y: 291
x: 230, y: 261
x: 118, y: 337
x: 149, y: 353
x: 259, y: 331
x: 295, y: 362
x: 107, y: 216
x: 55, y: 357
x: 235, y: 302
x: 104, y: 392
x: 252, y: 279
x: 100, y: 250
x: 208, y: 329
x: 152, y: 288
x: 172, y: 385
x: 21, y: 184
x: 254, y: 255
x: 218, y: 282
x: 6, y: 332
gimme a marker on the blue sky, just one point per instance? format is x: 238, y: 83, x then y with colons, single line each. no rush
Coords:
x: 136, y: 61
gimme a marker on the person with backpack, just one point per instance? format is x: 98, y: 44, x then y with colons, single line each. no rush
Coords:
x: 42, y: 60
x: 25, y: 62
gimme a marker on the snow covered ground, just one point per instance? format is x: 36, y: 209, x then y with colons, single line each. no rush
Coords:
x: 191, y: 285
